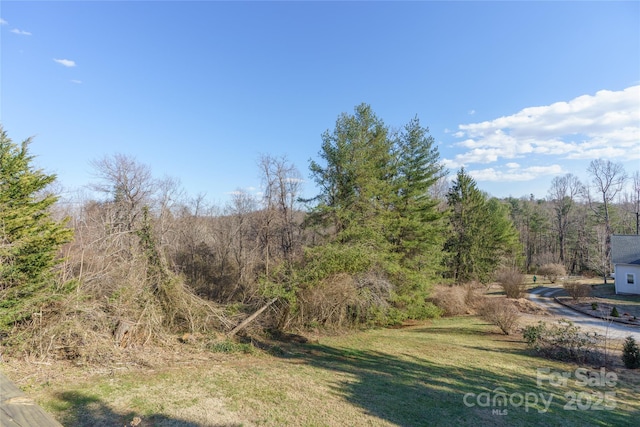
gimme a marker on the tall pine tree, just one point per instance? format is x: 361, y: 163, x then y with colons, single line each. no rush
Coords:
x: 417, y: 226
x: 355, y: 182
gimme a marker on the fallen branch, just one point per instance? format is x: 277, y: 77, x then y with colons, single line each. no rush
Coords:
x: 249, y: 319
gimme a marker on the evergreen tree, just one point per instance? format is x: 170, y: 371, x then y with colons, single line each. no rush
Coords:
x: 631, y: 353
x: 374, y: 202
x: 501, y: 238
x: 417, y: 226
x: 482, y: 233
x: 355, y: 185
x: 29, y: 237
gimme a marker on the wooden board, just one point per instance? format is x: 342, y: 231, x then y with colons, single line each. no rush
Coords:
x: 16, y: 409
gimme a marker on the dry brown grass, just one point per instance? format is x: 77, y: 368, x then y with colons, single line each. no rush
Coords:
x: 529, y: 307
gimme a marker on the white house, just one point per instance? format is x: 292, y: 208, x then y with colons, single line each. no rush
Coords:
x: 625, y: 256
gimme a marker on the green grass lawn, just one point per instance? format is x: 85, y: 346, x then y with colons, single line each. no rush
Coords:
x: 448, y: 372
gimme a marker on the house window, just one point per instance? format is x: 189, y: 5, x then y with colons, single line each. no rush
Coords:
x: 631, y: 279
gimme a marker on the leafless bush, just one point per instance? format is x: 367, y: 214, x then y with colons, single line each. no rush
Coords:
x: 86, y: 329
x: 458, y: 300
x: 577, y: 290
x: 451, y: 299
x: 501, y: 312
x: 474, y: 295
x: 72, y: 329
x: 552, y: 271
x: 327, y: 303
x: 343, y: 299
x: 512, y: 282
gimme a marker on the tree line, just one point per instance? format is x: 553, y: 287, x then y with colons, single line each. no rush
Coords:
x: 573, y: 225
x: 385, y: 226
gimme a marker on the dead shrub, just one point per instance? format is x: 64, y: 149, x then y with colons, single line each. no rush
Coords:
x: 577, y: 290
x: 512, y: 282
x: 71, y: 329
x: 342, y: 300
x: 500, y: 312
x: 156, y: 306
x: 91, y: 325
x: 474, y: 295
x: 451, y: 299
x: 552, y: 271
x: 326, y: 304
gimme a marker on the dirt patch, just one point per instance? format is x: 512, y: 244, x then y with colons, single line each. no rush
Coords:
x: 529, y: 307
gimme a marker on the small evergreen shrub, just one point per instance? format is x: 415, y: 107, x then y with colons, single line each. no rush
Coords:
x: 594, y: 306
x: 631, y: 353
x: 614, y: 312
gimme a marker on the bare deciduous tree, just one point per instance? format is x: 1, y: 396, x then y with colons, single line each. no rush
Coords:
x: 127, y: 184
x: 607, y: 180
x: 634, y: 199
x: 281, y: 189
x: 242, y: 206
x: 562, y: 195
x: 170, y: 195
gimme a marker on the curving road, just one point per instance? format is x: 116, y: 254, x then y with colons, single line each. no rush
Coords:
x: 543, y: 296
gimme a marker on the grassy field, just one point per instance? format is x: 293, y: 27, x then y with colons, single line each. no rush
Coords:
x: 446, y: 372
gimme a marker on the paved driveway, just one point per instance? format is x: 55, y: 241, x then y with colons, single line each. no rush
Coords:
x: 543, y: 296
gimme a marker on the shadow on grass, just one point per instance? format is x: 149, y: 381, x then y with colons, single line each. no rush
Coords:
x: 80, y: 409
x: 408, y: 390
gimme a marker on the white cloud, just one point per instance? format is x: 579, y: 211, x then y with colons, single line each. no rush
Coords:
x: 514, y: 173
x: 472, y: 112
x: 3, y: 22
x: 604, y: 125
x: 20, y: 32
x: 66, y: 62
x: 78, y: 82
x: 535, y: 141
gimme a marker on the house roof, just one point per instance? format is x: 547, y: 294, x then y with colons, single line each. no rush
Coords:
x: 625, y: 249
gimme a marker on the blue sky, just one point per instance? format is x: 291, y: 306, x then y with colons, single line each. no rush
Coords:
x: 516, y: 92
